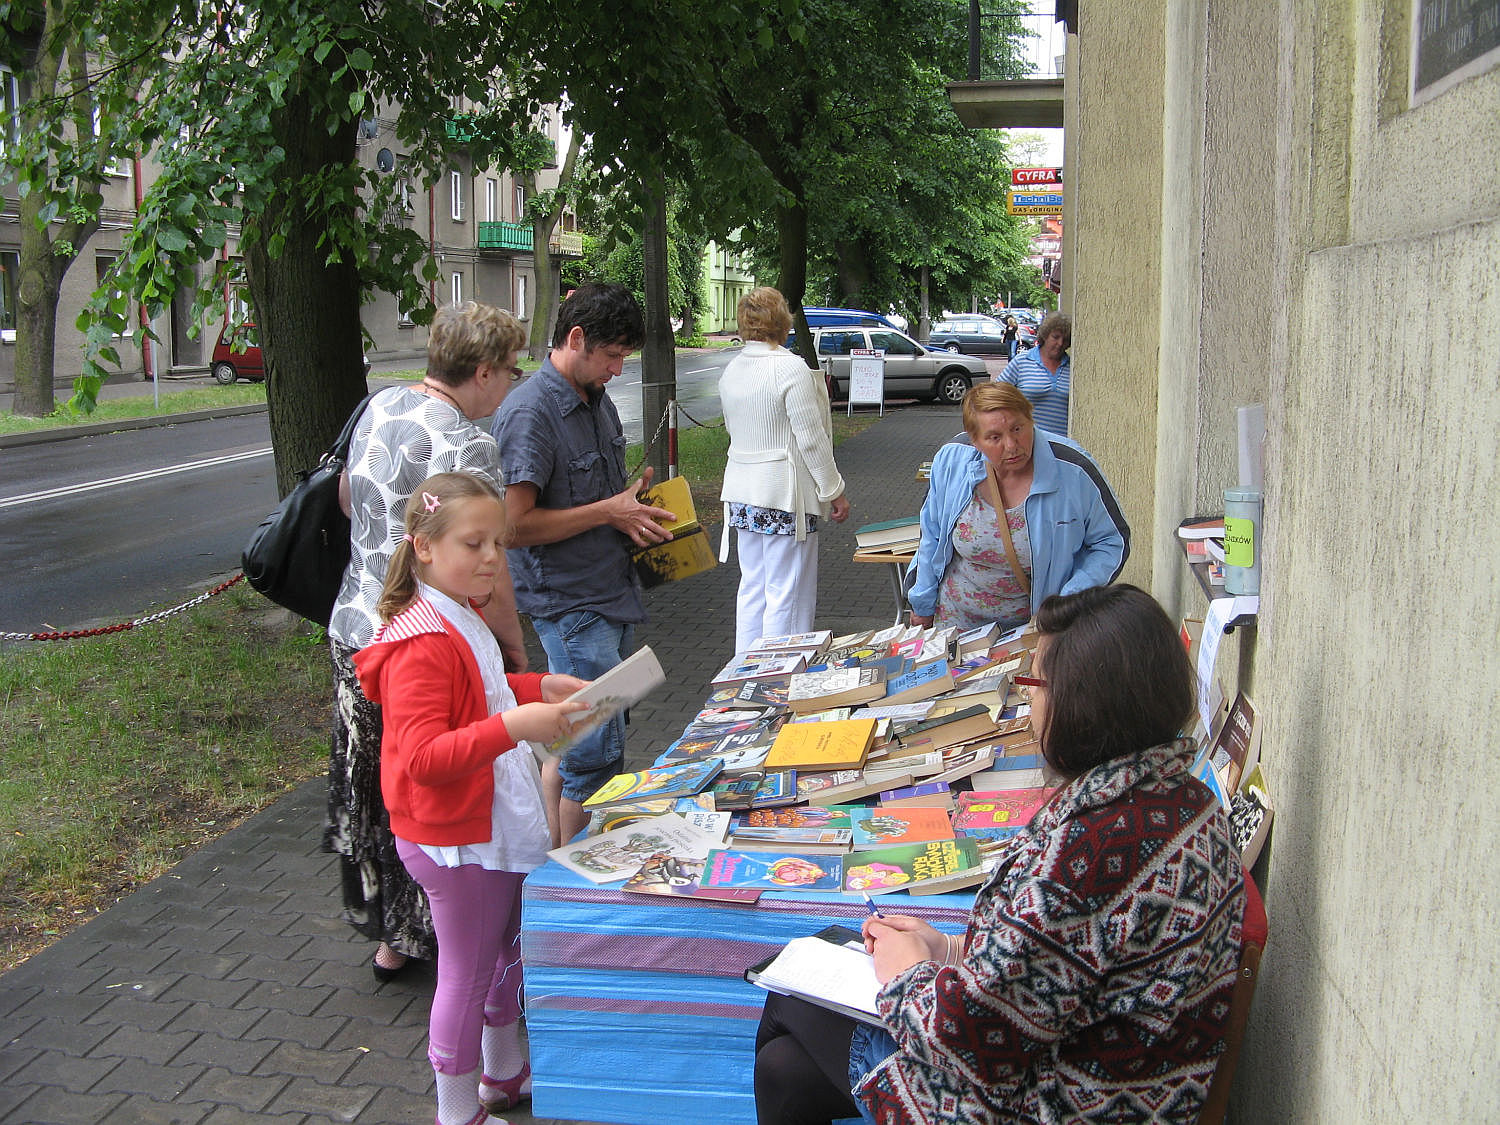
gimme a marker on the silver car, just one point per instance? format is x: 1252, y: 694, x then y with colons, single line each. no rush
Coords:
x: 911, y: 370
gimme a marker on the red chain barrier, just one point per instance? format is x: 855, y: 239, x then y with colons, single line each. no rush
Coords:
x: 99, y: 631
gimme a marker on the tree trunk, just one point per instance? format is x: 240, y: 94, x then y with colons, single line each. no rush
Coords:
x: 791, y: 224
x: 307, y: 307
x: 852, y: 268
x: 659, y: 356
x: 548, y: 269
x: 36, y: 314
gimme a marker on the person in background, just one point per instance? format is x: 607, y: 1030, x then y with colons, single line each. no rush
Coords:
x: 406, y: 434
x: 1045, y: 374
x: 781, y: 477
x: 576, y: 520
x: 1061, y: 529
x: 461, y: 781
x: 1008, y: 337
x: 1080, y: 990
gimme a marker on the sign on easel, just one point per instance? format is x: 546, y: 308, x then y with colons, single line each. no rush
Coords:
x: 866, y: 378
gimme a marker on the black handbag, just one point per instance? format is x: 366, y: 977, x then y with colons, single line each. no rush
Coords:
x: 297, y: 556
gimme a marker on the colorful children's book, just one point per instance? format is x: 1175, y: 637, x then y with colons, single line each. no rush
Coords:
x: 776, y: 788
x: 772, y: 871
x: 882, y: 826
x: 658, y: 781
x: 619, y: 853
x: 616, y: 816
x: 678, y: 877
x: 879, y: 870
x: 733, y: 748
x: 822, y: 746
x: 1004, y: 808
x: 797, y: 816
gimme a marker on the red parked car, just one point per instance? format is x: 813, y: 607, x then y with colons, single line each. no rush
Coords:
x: 228, y: 365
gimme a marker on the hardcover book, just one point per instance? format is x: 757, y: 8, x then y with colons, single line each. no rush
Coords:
x: 688, y: 552
x: 835, y: 687
x: 888, y: 535
x: 842, y: 744
x: 624, y: 685
x: 885, y: 825
x: 772, y: 871
x: 678, y: 877
x: 658, y: 781
x: 880, y: 870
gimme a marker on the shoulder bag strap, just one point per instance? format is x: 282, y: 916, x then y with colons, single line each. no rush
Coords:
x: 1004, y: 521
x: 339, y: 450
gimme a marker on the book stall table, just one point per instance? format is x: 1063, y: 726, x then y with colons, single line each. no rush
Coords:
x: 637, y: 1010
x: 897, y: 561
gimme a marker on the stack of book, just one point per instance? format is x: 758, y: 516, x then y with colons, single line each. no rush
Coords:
x: 895, y: 537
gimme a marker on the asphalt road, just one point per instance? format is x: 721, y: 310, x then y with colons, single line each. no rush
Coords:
x: 107, y: 528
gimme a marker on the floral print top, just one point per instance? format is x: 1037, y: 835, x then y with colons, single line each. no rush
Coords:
x: 767, y: 521
x: 979, y: 585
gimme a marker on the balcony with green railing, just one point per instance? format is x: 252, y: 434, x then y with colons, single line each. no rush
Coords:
x: 500, y: 235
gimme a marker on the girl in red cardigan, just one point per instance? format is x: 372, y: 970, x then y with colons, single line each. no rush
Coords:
x: 460, y: 782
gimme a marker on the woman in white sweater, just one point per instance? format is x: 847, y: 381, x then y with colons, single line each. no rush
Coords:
x: 781, y: 478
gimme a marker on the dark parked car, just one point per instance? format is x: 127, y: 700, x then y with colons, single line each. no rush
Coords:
x: 978, y: 335
x: 244, y: 363
x: 911, y: 370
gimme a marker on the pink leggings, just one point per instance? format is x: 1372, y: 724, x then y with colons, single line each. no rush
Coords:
x: 477, y: 916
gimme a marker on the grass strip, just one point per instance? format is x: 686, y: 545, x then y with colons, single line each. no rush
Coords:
x: 121, y: 754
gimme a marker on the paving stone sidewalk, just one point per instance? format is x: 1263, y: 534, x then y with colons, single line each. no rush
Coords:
x: 228, y: 990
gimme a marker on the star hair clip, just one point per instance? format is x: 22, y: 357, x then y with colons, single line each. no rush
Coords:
x: 430, y: 502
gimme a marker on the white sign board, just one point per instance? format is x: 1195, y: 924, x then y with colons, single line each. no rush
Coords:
x: 867, y: 378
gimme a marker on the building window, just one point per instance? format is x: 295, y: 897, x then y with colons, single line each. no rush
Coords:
x: 103, y: 263
x: 10, y: 270
x: 113, y: 165
x: 10, y: 110
x: 520, y: 296
x: 458, y: 288
x: 456, y: 195
x: 520, y: 199
x: 491, y: 200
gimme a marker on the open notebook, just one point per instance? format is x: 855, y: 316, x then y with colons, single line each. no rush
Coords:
x: 830, y: 969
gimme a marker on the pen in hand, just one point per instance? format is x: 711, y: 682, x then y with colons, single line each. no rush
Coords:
x: 870, y: 905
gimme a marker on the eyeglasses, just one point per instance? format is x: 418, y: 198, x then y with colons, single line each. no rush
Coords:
x: 1028, y: 681
x: 516, y: 374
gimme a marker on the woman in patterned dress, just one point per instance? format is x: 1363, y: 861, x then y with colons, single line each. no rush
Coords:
x: 407, y: 434
x: 1063, y: 529
x: 1093, y: 980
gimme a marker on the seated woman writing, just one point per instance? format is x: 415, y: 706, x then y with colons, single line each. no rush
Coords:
x: 1062, y: 530
x: 1094, y: 979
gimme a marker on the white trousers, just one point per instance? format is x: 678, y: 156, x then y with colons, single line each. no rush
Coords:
x: 778, y: 586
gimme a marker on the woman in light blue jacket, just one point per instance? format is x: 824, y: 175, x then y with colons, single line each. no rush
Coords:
x: 1063, y: 529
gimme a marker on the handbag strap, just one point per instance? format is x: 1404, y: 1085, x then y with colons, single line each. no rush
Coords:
x: 1004, y: 521
x: 339, y: 450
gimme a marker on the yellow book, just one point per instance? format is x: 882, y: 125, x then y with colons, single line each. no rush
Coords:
x: 688, y: 552
x: 841, y: 744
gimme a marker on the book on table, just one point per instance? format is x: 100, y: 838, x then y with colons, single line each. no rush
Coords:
x: 839, y: 787
x: 624, y: 685
x: 885, y: 825
x: 999, y: 814
x: 896, y: 536
x: 840, y: 744
x: 801, y: 841
x: 834, y: 687
x: 688, y: 552
x: 814, y: 643
x: 677, y: 877
x: 658, y: 781
x: 830, y: 969
x: 901, y: 867
x: 619, y: 853
x: 919, y: 684
x: 737, y: 671
x: 772, y: 871
x: 926, y: 794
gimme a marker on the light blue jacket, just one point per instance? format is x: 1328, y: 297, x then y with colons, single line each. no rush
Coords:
x: 1079, y: 537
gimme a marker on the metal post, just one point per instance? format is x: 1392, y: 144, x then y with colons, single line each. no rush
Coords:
x: 973, y: 40
x: 671, y: 438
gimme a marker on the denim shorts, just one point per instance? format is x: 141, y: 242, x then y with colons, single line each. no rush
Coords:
x: 868, y: 1048
x: 586, y: 645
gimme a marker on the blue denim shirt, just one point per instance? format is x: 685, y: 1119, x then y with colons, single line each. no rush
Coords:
x: 574, y: 453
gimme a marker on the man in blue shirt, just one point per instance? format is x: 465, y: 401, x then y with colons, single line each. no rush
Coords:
x: 1044, y: 373
x: 575, y: 520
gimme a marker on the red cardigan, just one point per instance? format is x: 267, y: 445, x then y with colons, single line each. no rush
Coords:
x: 440, y: 741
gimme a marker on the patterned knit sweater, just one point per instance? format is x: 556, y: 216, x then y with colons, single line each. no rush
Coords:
x: 1098, y: 965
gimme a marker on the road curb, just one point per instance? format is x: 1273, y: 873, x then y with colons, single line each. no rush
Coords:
x: 92, y: 429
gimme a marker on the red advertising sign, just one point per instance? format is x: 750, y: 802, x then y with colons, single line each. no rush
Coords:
x: 1028, y: 176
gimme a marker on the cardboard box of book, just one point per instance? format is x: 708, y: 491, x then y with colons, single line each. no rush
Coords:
x: 688, y: 552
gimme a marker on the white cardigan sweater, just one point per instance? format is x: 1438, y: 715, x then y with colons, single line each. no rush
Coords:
x: 780, y: 435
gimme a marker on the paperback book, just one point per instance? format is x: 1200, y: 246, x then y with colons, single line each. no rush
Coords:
x: 841, y: 744
x: 804, y: 841
x: 920, y: 683
x: 880, y: 870
x: 839, y: 787
x: 688, y: 552
x: 834, y: 687
x: 739, y: 670
x: 658, y: 781
x: 772, y: 871
x: 998, y: 814
x: 619, y: 853
x: 884, y: 825
x: 678, y: 877
x: 624, y: 685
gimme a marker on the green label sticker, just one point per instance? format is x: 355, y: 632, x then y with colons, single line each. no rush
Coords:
x: 1239, y: 542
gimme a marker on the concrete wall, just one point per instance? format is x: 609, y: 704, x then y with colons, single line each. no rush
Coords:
x: 1332, y: 253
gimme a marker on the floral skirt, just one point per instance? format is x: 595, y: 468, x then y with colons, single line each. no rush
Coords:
x: 381, y: 900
